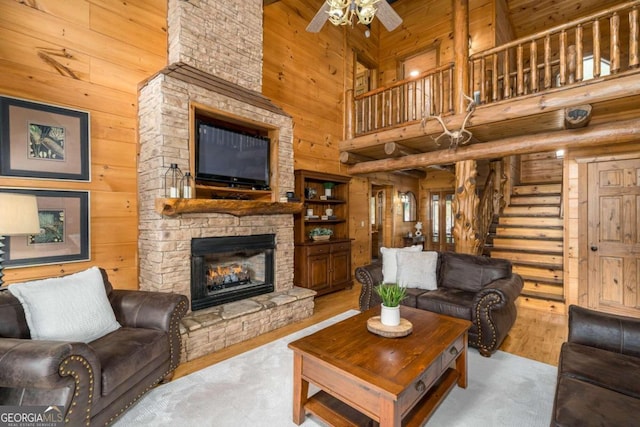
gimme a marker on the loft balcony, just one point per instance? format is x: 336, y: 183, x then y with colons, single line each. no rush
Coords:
x: 572, y: 85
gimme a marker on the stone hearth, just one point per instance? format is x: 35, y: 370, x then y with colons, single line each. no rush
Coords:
x: 211, y: 71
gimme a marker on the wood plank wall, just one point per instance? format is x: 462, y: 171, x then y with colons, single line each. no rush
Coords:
x: 307, y: 74
x: 103, y: 49
x: 427, y: 24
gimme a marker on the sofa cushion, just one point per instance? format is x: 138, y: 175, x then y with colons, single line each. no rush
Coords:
x: 450, y: 302
x: 127, y: 351
x: 390, y: 262
x: 579, y: 403
x: 470, y: 273
x: 411, y: 299
x: 417, y: 269
x: 615, y: 371
x: 69, y: 308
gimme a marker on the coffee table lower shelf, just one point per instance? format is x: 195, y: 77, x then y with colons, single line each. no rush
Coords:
x: 337, y: 413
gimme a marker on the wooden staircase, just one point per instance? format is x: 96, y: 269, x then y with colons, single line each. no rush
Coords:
x: 530, y: 234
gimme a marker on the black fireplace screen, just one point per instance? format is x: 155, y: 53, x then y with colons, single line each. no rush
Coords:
x: 231, y: 268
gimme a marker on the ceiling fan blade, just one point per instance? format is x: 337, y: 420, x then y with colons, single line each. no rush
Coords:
x: 318, y: 21
x: 387, y: 16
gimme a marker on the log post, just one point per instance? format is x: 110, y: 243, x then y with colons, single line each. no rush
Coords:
x: 633, y: 38
x: 533, y: 61
x: 465, y: 209
x: 579, y: 54
x: 349, y: 115
x: 614, y: 36
x: 461, y: 52
x: 465, y: 202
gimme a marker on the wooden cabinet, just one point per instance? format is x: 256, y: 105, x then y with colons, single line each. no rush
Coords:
x: 324, y: 266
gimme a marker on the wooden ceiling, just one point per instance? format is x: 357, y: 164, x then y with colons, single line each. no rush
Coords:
x: 531, y: 16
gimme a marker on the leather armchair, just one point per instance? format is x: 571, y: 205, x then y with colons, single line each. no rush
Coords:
x: 92, y: 383
x: 479, y: 289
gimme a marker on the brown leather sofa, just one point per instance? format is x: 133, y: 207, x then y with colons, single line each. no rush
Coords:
x: 599, y: 371
x: 98, y: 381
x: 479, y: 289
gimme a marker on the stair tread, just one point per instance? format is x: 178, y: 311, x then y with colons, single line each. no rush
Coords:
x: 546, y: 280
x: 533, y: 227
x: 543, y: 295
x: 546, y: 266
x: 551, y: 239
x: 523, y: 251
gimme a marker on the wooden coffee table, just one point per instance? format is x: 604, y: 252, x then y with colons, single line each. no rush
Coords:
x: 364, y: 377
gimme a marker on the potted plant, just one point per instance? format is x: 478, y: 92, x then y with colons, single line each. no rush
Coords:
x: 320, y: 233
x: 327, y: 188
x: 391, y: 295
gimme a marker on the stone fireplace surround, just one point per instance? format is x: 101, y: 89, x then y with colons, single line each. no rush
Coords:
x: 210, y: 71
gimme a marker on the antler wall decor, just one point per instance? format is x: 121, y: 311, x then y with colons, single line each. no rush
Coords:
x: 456, y: 137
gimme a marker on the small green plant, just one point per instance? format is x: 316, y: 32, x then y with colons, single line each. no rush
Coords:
x: 329, y: 185
x: 320, y: 231
x: 391, y: 293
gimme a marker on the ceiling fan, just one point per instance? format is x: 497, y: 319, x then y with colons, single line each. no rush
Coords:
x: 342, y: 12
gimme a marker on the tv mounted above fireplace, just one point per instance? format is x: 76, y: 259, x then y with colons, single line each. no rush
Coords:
x: 231, y: 156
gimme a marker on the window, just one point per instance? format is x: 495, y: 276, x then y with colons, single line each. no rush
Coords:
x: 442, y: 220
x: 587, y: 67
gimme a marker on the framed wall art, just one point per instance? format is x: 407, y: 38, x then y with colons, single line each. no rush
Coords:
x: 43, y: 141
x: 64, y: 230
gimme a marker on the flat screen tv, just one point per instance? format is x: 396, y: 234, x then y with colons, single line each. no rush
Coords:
x: 231, y: 157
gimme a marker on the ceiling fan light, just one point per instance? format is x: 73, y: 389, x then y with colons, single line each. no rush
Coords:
x: 366, y: 14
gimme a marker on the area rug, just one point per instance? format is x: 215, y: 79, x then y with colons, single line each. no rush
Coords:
x: 254, y: 389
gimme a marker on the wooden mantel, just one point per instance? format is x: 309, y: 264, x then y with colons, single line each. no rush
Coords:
x: 173, y: 207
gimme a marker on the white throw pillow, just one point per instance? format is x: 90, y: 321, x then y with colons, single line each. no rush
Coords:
x: 390, y: 263
x: 70, y: 308
x: 418, y: 270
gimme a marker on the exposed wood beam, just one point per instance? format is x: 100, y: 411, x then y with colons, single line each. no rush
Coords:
x: 347, y: 158
x: 352, y: 159
x: 614, y: 88
x: 609, y: 133
x: 577, y: 117
x: 394, y: 149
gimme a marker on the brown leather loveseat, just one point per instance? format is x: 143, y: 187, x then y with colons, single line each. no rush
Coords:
x: 479, y: 289
x: 599, y: 371
x: 95, y: 382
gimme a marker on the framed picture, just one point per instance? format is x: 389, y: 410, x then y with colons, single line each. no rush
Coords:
x: 43, y: 141
x: 64, y: 230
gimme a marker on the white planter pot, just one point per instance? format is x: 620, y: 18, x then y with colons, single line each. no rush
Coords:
x: 390, y: 316
x: 327, y: 192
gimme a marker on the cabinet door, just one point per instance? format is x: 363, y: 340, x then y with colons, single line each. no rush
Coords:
x: 340, y: 269
x: 318, y: 271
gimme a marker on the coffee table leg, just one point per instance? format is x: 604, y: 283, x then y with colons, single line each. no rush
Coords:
x: 300, y: 390
x: 389, y: 414
x: 461, y: 365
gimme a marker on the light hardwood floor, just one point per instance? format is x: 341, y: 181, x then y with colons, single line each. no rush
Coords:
x: 536, y: 334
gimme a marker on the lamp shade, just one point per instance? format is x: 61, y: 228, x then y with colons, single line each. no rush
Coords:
x: 18, y: 214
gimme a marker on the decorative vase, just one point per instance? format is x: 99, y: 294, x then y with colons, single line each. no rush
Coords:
x: 390, y: 316
x: 327, y: 192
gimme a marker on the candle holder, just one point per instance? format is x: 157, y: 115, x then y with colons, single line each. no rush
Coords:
x: 172, y: 180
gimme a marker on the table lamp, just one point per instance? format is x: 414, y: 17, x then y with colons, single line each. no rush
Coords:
x: 18, y: 216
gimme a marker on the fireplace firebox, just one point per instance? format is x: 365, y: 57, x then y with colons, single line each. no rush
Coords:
x: 231, y: 268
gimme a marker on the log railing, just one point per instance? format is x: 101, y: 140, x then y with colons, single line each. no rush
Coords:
x: 404, y: 102
x: 486, y: 209
x: 594, y: 46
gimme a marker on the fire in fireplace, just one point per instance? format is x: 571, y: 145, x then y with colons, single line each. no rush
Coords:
x: 231, y: 268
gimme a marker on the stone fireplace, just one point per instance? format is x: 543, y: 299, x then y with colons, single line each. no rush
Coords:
x: 215, y: 50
